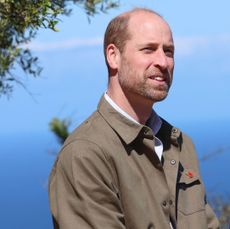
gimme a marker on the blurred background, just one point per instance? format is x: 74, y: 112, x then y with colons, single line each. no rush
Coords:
x: 73, y: 79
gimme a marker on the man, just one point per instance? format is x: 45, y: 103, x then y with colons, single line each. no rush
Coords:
x: 125, y: 167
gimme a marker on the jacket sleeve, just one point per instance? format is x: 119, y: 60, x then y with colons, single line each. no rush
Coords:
x: 81, y: 189
x: 213, y: 222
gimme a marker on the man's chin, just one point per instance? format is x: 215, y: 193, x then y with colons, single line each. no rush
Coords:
x: 159, y: 96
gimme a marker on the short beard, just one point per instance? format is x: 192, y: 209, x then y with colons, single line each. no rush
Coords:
x: 138, y: 86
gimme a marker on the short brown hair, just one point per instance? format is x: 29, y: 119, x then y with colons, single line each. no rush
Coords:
x: 117, y: 32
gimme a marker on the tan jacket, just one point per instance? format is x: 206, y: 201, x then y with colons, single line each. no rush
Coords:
x: 107, y: 176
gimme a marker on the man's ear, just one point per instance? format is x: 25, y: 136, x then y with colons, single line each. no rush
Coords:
x: 112, y: 56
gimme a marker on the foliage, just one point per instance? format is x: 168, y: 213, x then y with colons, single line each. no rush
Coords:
x: 19, y: 22
x: 60, y: 128
x: 221, y: 206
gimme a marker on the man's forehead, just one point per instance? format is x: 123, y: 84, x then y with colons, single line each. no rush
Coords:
x: 148, y: 24
x: 139, y: 15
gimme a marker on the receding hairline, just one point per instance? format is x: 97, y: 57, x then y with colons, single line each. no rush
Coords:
x: 143, y: 11
x: 126, y: 16
x: 137, y: 10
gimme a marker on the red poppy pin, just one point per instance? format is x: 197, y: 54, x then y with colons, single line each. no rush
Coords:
x: 189, y: 174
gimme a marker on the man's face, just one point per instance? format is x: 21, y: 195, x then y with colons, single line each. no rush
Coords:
x: 147, y: 61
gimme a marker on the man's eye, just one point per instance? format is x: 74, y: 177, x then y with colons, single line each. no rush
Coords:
x: 148, y: 50
x: 169, y: 53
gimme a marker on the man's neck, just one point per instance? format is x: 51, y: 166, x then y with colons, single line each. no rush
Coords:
x: 138, y: 108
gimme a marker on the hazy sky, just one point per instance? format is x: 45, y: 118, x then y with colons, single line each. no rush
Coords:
x: 75, y: 76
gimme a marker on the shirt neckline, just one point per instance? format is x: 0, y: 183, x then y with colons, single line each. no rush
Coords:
x: 154, y: 121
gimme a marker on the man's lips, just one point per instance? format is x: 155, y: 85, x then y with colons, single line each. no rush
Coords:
x: 158, y: 78
x: 160, y: 81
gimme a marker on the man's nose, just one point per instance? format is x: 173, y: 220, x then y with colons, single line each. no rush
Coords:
x: 161, y: 59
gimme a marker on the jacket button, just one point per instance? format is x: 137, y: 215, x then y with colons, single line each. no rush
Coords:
x: 173, y: 162
x: 150, y: 226
x: 164, y: 203
x: 174, y: 130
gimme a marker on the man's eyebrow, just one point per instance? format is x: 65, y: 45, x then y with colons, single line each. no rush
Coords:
x: 170, y: 45
x: 148, y: 44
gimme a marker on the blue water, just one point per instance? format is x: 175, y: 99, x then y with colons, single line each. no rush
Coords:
x: 212, y: 142
x: 26, y: 160
x: 25, y: 163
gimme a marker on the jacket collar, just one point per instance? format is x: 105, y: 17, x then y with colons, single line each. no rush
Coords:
x: 125, y: 128
x: 170, y: 135
x: 129, y: 130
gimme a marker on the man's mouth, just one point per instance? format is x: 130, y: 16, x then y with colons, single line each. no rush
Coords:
x: 158, y: 78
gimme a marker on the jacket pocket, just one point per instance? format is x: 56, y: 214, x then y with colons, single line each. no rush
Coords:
x: 190, y: 191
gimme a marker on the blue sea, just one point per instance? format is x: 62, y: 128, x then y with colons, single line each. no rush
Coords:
x: 26, y: 160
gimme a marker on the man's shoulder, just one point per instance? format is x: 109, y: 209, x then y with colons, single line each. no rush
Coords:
x: 86, y: 140
x: 91, y: 129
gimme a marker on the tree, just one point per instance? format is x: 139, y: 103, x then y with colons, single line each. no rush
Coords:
x: 221, y: 206
x: 60, y: 128
x: 20, y: 21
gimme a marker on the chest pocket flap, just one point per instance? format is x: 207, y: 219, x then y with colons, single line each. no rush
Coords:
x: 191, y: 194
x: 188, y: 177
